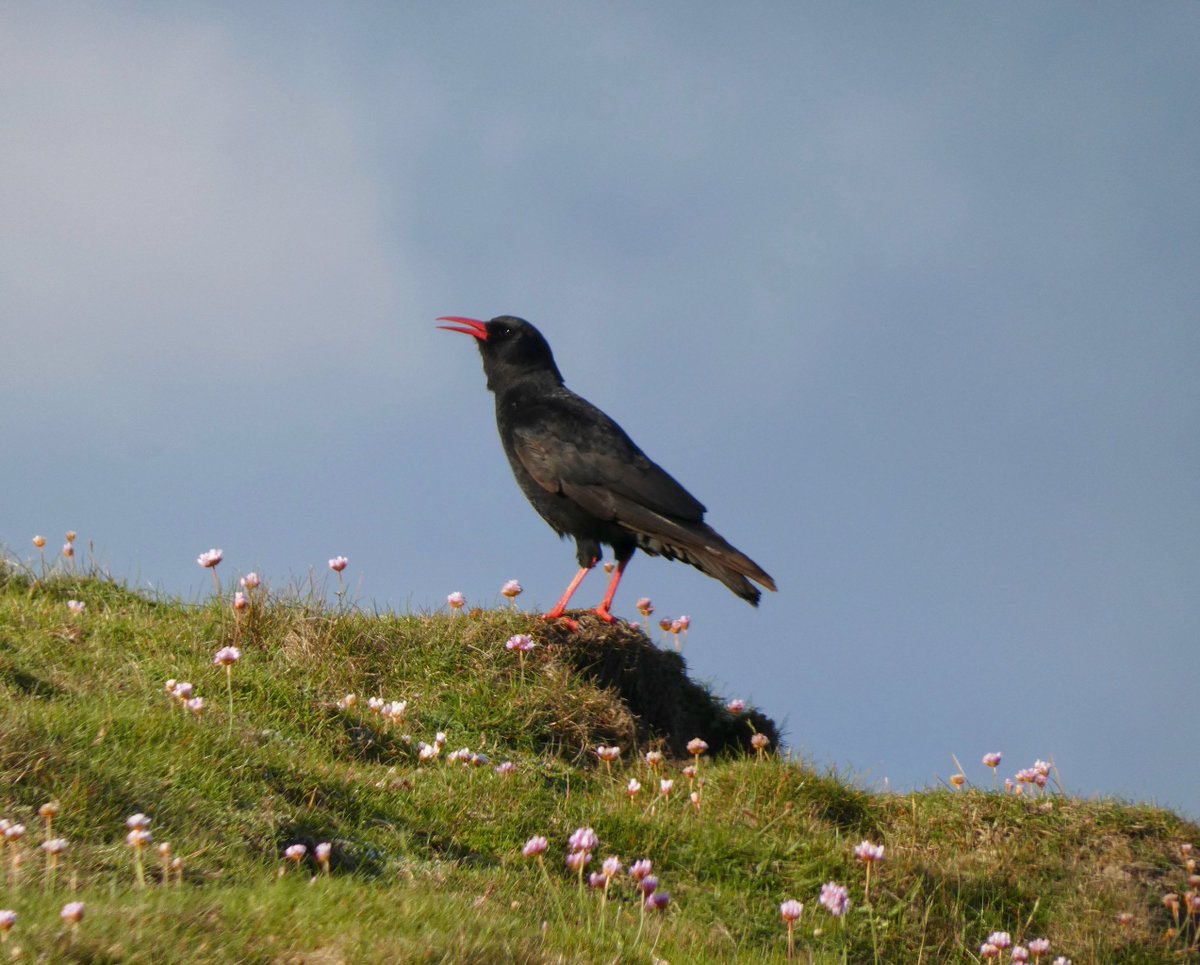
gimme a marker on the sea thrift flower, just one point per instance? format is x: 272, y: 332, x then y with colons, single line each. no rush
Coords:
x: 427, y: 752
x: 54, y: 846
x: 735, y: 706
x: 68, y: 550
x: 1062, y: 960
x: 227, y: 657
x: 611, y: 867
x: 958, y: 780
x: 835, y: 898
x: 338, y: 563
x: 690, y: 772
x: 76, y: 606
x: 195, y: 706
x: 597, y: 880
x: 665, y: 786
x: 251, y: 581
x: 639, y: 869
x: 583, y: 839
x: 512, y: 589
x: 658, y: 901
x: 535, y: 846
x: 210, y: 559
x: 1001, y: 939
x: 1020, y: 954
x: 647, y: 884
x: 505, y: 768
x: 322, y: 853
x: 645, y: 607
x: 295, y: 852
x: 987, y: 951
x: 8, y: 918
x: 240, y: 601
x: 456, y: 600
x: 72, y: 913
x: 576, y: 861
x: 608, y: 754
x: 790, y: 911
x: 137, y: 822
x: 1039, y: 947
x: 696, y: 746
x: 347, y: 702
x: 992, y: 760
x: 760, y: 743
x: 654, y: 759
x: 48, y: 812
x: 520, y: 643
x: 868, y: 853
x: 633, y: 787
x: 39, y: 541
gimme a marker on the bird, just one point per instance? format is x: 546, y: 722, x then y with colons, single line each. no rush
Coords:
x: 585, y: 476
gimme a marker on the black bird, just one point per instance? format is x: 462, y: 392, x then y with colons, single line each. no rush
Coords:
x: 585, y: 476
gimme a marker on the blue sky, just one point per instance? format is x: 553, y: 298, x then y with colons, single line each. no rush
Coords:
x: 906, y: 294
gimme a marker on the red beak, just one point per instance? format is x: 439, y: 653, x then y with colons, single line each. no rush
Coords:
x: 468, y: 326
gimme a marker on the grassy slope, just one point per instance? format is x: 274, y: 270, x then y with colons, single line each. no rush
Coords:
x: 427, y: 857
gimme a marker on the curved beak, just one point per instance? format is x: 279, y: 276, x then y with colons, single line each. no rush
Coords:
x: 467, y: 326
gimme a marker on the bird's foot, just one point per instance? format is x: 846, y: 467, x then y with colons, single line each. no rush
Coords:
x: 604, y: 613
x: 552, y: 617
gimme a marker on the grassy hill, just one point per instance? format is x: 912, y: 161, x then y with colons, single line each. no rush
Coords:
x: 426, y: 861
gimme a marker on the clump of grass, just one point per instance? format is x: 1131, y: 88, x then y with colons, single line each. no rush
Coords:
x: 421, y: 860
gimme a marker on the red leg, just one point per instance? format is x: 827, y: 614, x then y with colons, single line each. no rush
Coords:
x: 561, y: 606
x: 603, y: 611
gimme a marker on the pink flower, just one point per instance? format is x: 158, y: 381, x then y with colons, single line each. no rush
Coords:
x: 665, y: 786
x: 658, y: 901
x: 790, y: 910
x: 68, y: 550
x: 8, y: 918
x: 1020, y: 954
x: 520, y: 643
x: 72, y: 912
x: 576, y: 861
x: 54, y: 846
x: 512, y: 589
x: 760, y: 742
x: 535, y: 846
x: 1000, y: 939
x: 684, y: 622
x: 295, y: 852
x: 251, y: 581
x: 1039, y: 946
x: 210, y: 559
x: 584, y: 839
x: 137, y: 822
x: 338, y: 563
x: 696, y: 746
x: 611, y: 867
x: 323, y: 851
x: 639, y: 869
x: 597, y: 880
x: 835, y: 898
x: 195, y: 706
x: 608, y: 754
x: 988, y: 950
x: 240, y: 601
x: 505, y: 768
x: 39, y: 541
x: 633, y: 787
x: 76, y: 606
x: 227, y: 656
x: 654, y: 758
x: 647, y: 884
x: 868, y: 852
x: 992, y: 760
x: 456, y: 600
x: 138, y: 838
x: 735, y: 706
x: 645, y: 607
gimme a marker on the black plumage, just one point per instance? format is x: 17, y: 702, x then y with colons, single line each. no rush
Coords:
x: 585, y: 476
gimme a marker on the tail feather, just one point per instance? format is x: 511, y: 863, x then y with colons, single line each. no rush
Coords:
x: 703, y: 547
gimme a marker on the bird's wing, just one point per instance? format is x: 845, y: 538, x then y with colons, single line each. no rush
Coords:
x: 601, y: 459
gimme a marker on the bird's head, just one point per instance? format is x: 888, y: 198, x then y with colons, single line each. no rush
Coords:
x: 511, y: 348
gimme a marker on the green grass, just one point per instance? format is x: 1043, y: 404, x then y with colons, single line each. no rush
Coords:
x: 427, y: 862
